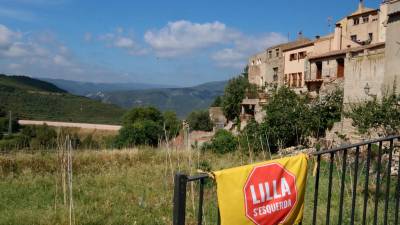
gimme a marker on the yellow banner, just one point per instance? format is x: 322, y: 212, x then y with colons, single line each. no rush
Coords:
x: 267, y: 193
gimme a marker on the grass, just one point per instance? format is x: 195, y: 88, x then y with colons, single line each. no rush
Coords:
x: 135, y: 187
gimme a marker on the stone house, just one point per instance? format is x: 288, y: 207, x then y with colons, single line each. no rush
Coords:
x: 295, y: 58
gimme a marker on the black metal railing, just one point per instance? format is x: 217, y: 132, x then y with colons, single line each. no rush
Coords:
x: 358, y: 150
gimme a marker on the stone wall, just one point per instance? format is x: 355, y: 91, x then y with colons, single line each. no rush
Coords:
x: 364, y: 68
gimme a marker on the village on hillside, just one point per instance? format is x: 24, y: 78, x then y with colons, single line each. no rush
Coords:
x: 361, y: 57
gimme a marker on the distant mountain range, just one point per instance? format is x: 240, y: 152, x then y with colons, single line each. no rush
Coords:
x: 127, y: 95
x: 89, y: 88
x: 181, y: 100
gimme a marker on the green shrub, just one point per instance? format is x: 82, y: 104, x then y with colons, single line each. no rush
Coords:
x: 252, y: 137
x: 143, y: 113
x: 172, y: 124
x: 377, y: 114
x: 144, y: 132
x: 200, y: 120
x: 222, y: 142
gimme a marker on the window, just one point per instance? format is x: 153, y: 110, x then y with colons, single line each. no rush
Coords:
x: 286, y: 79
x: 300, y: 80
x: 356, y: 21
x: 302, y: 55
x: 294, y: 79
x: 277, y: 52
x: 270, y: 54
x: 319, y: 70
x: 371, y: 36
x: 340, y: 67
x: 354, y: 38
x: 365, y: 19
x: 275, y: 77
x: 293, y: 56
x: 252, y: 63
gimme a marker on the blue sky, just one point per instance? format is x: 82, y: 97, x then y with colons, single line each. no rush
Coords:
x: 183, y: 42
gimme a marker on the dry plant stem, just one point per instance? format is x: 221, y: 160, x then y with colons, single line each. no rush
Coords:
x: 262, y: 148
x: 250, y: 152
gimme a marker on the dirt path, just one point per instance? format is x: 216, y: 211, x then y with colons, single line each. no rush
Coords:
x: 66, y: 124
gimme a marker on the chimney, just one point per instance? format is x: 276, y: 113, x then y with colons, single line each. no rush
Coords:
x: 361, y: 5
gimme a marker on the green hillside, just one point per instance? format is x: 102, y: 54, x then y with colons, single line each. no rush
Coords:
x: 34, y: 99
x: 181, y: 100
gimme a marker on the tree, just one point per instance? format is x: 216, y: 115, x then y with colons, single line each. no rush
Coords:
x: 143, y: 113
x: 144, y: 132
x: 172, y: 124
x: 218, y: 102
x: 222, y: 142
x: 288, y: 119
x: 234, y: 94
x: 200, y: 120
x: 326, y: 111
x: 141, y: 126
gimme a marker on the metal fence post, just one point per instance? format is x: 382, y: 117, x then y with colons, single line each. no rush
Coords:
x: 180, y: 182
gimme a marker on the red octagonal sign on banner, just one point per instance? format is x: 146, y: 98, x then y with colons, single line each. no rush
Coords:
x: 270, y: 194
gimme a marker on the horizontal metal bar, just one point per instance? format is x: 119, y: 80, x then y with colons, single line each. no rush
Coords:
x: 341, y: 148
x: 198, y: 177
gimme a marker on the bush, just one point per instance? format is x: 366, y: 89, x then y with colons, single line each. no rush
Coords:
x: 145, y: 132
x: 381, y: 115
x: 252, y: 137
x: 145, y: 126
x: 172, y: 124
x: 141, y: 114
x: 200, y: 120
x: 222, y: 142
x: 40, y: 137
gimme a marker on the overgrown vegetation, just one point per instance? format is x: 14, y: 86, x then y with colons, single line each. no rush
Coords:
x: 222, y: 142
x: 136, y: 187
x: 200, y: 120
x: 382, y: 116
x: 146, y: 126
x: 235, y: 91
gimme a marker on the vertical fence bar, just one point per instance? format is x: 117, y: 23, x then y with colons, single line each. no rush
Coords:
x: 219, y: 217
x: 389, y: 170
x: 316, y: 190
x: 396, y: 213
x: 340, y: 219
x: 201, y: 194
x: 378, y: 184
x: 179, y: 199
x: 354, y: 195
x: 364, y: 217
x: 328, y: 205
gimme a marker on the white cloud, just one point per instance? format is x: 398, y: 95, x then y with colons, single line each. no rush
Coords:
x: 124, y: 42
x: 244, y: 46
x: 7, y: 35
x: 182, y: 37
x: 229, y: 57
x: 120, y: 40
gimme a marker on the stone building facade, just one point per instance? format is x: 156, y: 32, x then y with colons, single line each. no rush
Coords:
x: 392, y: 51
